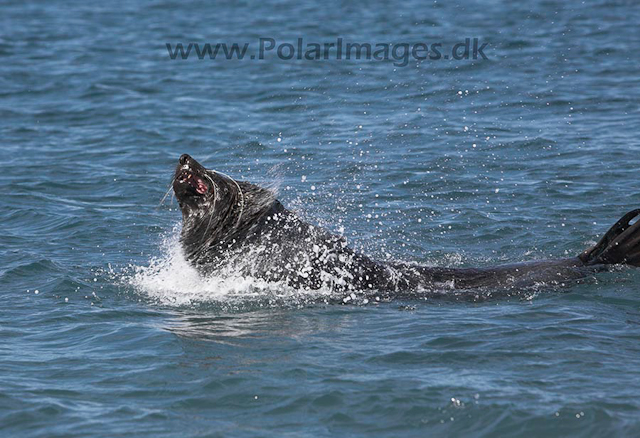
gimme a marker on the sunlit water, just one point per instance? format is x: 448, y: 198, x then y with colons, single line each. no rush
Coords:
x: 106, y: 331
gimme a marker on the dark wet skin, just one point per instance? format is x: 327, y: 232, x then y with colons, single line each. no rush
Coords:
x: 241, y: 226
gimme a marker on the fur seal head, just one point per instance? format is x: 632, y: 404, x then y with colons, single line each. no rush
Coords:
x: 193, y: 186
x: 216, y: 209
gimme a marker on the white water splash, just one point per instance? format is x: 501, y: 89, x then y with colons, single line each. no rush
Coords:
x: 171, y: 280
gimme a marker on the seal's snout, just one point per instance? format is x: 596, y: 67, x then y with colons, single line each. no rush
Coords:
x: 184, y: 159
x: 190, y: 178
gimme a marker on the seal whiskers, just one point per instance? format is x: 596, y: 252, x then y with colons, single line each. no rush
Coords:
x: 167, y: 194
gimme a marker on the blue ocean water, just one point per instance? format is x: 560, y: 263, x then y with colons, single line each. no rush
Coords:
x: 532, y: 153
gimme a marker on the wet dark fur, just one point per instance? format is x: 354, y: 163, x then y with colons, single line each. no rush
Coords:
x: 242, y: 226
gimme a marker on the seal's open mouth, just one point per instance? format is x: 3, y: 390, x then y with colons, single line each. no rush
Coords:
x: 186, y: 176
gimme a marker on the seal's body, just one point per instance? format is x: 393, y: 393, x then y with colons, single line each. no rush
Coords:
x: 238, y: 225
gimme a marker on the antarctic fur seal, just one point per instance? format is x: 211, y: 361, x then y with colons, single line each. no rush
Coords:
x: 241, y: 226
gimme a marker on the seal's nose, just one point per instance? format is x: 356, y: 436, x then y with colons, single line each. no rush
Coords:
x: 184, y: 159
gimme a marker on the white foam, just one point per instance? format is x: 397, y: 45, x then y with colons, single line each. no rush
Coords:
x: 171, y: 280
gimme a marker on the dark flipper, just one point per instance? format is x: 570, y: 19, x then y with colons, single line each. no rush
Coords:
x: 621, y: 244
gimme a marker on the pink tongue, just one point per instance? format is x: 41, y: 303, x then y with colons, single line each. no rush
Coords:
x: 202, y: 187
